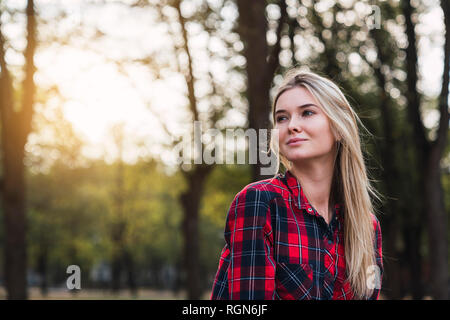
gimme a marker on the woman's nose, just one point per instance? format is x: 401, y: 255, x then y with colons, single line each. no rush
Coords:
x: 294, y: 125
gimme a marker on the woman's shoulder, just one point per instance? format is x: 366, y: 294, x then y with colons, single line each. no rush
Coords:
x: 252, y: 204
x: 260, y: 193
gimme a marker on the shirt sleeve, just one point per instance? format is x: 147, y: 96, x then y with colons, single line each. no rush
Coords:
x: 246, y: 267
x: 378, y: 271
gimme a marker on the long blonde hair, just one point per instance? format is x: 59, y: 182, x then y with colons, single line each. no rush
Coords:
x: 351, y: 186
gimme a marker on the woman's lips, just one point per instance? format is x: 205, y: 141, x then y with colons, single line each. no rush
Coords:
x: 295, y: 141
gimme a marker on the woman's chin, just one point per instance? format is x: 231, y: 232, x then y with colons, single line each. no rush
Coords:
x: 298, y: 158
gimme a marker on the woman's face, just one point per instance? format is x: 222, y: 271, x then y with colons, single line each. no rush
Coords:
x: 304, y: 129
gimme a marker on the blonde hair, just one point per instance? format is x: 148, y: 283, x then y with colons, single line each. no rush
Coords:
x: 351, y: 186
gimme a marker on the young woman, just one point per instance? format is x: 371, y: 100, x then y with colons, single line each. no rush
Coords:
x: 309, y: 233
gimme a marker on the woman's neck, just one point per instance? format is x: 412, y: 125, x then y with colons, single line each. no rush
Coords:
x: 315, y: 179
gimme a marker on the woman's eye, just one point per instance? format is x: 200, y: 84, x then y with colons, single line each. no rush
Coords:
x: 280, y: 118
x: 308, y: 113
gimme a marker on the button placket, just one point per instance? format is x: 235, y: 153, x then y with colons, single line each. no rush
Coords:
x: 328, y: 263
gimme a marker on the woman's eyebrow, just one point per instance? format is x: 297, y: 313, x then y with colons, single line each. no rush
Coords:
x: 302, y: 106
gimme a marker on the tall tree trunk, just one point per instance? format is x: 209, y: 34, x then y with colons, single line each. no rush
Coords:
x: 392, y: 178
x: 435, y: 196
x: 437, y: 216
x: 195, y: 179
x: 261, y: 63
x: 413, y: 261
x: 13, y: 199
x: 16, y: 125
x: 437, y: 228
x: 190, y: 201
x: 390, y: 173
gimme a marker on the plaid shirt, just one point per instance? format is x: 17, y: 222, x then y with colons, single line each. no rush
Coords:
x: 279, y: 247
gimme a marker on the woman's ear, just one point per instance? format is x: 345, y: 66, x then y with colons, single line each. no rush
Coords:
x: 336, y: 134
x: 337, y: 139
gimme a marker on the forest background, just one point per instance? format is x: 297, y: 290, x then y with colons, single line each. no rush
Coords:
x: 96, y: 97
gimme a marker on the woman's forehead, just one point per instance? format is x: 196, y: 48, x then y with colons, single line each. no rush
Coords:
x: 295, y: 97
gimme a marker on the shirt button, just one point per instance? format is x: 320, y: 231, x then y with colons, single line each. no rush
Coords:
x: 330, y: 241
x: 309, y: 209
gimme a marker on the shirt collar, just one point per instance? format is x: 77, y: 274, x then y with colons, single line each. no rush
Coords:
x: 300, y: 199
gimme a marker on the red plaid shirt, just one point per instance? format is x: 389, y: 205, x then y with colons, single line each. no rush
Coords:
x: 279, y: 247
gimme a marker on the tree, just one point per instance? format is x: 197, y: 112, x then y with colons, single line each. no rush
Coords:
x: 430, y: 153
x: 196, y: 175
x: 262, y: 61
x: 15, y: 126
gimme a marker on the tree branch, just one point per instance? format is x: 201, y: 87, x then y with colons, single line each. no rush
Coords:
x: 190, y: 74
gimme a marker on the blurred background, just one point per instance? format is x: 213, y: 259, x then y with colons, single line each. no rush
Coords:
x: 95, y: 97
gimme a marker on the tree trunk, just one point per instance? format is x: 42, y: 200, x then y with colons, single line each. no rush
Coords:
x: 13, y: 199
x: 430, y: 154
x: 190, y: 201
x: 390, y: 173
x: 117, y: 261
x: 131, y: 273
x: 196, y: 178
x: 392, y: 283
x: 116, y: 271
x: 260, y: 67
x: 43, y: 270
x: 437, y: 228
x: 413, y: 260
x: 16, y: 125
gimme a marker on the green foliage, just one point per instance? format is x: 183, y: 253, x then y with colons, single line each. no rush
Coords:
x: 221, y: 188
x: 71, y: 212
